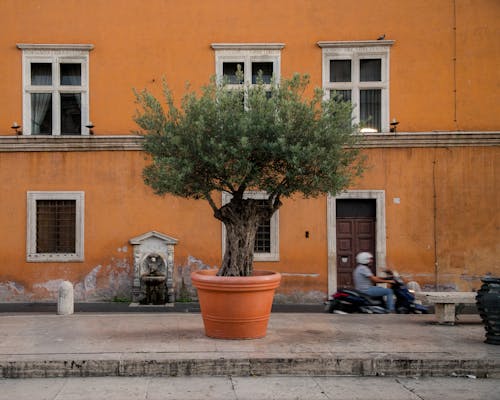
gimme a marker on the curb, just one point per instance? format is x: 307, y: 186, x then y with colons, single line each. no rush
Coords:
x: 318, y: 365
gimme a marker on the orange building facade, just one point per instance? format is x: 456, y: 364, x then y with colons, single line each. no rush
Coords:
x: 424, y: 80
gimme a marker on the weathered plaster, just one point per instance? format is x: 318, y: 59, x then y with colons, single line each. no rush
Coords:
x: 13, y: 292
x: 182, y: 280
x: 296, y: 297
x: 100, y: 284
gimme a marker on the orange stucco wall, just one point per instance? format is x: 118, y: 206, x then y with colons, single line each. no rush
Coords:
x: 457, y: 230
x: 443, y: 76
x: 136, y: 43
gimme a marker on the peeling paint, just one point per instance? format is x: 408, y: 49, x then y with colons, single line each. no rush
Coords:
x: 90, y: 281
x: 197, y: 264
x: 13, y: 291
x: 296, y: 297
x: 51, y: 286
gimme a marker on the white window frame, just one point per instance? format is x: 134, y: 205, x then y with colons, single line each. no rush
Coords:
x: 55, y: 54
x: 273, y: 255
x: 31, y: 253
x: 356, y: 51
x: 247, y: 53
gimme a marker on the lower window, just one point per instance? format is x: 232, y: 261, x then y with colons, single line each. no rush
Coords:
x: 55, y: 226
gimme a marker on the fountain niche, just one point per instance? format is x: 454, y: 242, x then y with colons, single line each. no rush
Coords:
x: 153, y: 268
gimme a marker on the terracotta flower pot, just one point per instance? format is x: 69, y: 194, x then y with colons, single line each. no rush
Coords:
x: 235, y: 307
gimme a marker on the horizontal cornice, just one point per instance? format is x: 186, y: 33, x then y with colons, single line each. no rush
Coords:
x: 52, y: 46
x: 360, y: 43
x: 70, y: 143
x: 247, y: 46
x: 430, y: 139
x: 134, y: 142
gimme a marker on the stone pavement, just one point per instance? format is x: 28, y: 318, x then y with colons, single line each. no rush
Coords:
x: 250, y: 388
x: 44, y: 345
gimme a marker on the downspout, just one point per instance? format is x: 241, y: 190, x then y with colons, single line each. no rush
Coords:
x: 434, y: 212
x: 454, y: 67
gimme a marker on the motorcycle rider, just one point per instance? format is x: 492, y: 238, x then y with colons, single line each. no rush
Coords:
x: 366, y: 283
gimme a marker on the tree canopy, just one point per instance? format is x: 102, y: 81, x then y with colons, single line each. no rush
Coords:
x: 270, y: 138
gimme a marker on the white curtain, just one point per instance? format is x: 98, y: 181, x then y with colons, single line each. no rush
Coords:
x: 41, y: 75
x: 40, y: 103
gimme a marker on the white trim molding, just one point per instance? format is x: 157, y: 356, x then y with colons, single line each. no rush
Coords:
x: 274, y: 255
x: 31, y: 227
x: 380, y: 230
x: 247, y: 46
x: 377, y: 45
x: 55, y: 46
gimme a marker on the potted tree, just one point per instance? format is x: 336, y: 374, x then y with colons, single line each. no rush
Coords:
x: 270, y: 138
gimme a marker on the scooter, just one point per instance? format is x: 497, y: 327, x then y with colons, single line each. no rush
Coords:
x: 405, y: 300
x: 348, y: 301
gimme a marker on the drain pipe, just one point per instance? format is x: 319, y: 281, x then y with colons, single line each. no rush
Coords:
x: 434, y: 201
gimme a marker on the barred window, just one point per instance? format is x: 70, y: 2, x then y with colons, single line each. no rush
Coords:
x: 55, y: 226
x: 266, y: 247
x: 263, y: 236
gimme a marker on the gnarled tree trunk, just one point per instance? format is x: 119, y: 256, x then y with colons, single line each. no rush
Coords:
x: 241, y: 218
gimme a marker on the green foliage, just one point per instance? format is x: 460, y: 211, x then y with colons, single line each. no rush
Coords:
x: 259, y: 137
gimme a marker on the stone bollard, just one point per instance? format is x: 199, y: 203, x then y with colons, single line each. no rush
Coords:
x: 65, y: 304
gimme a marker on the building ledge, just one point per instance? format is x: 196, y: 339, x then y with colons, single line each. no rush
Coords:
x: 10, y: 143
x: 430, y: 139
x: 70, y: 143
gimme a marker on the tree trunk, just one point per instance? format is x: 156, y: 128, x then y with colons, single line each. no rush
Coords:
x: 241, y: 218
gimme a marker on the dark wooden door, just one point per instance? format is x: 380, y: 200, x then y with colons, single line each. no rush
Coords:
x: 353, y: 236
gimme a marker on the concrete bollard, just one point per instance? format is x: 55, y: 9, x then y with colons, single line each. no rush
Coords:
x: 65, y: 303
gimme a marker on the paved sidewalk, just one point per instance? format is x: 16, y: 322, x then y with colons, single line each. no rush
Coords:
x: 250, y: 388
x: 34, y: 345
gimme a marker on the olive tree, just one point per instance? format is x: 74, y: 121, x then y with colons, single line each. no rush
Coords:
x: 272, y: 138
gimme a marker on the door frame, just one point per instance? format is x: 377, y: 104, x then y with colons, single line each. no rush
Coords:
x: 380, y: 230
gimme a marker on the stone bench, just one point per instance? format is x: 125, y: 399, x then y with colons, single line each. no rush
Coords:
x: 445, y: 302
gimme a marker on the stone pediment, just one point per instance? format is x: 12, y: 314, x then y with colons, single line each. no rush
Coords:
x: 155, y: 235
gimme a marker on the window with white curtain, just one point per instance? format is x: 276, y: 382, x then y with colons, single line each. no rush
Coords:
x: 359, y: 72
x: 55, y: 89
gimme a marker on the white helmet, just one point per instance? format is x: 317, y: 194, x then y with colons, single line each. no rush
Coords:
x: 364, y: 258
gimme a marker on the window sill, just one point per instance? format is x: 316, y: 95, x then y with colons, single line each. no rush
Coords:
x: 47, y: 257
x: 266, y: 257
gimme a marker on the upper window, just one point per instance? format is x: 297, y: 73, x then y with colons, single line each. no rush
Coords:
x: 359, y: 72
x: 266, y: 247
x: 251, y: 59
x: 55, y: 226
x: 55, y: 89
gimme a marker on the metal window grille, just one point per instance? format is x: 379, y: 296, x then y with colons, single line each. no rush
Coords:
x: 55, y: 226
x: 263, y: 236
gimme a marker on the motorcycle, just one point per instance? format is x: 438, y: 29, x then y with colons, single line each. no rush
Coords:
x: 348, y: 301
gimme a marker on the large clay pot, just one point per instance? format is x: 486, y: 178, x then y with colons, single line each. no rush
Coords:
x: 235, y: 307
x: 488, y: 304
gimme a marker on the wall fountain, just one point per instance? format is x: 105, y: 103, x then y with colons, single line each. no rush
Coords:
x: 153, y: 268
